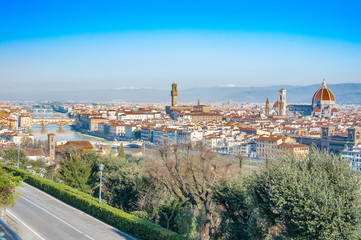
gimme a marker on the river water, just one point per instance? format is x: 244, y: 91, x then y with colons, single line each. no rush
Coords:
x: 61, y: 134
x: 66, y: 133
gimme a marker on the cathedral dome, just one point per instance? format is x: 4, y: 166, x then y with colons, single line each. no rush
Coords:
x: 276, y: 104
x: 323, y: 94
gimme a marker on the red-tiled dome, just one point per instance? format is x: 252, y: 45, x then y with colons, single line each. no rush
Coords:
x: 276, y: 104
x: 334, y: 110
x: 323, y: 94
x: 316, y: 110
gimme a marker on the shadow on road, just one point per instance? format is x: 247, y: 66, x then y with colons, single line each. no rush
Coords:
x: 125, y: 236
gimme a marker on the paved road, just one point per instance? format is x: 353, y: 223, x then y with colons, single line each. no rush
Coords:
x: 40, y: 216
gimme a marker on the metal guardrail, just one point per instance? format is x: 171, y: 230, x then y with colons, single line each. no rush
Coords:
x: 7, y: 233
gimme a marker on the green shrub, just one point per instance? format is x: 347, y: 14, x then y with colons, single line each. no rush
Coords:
x: 140, y: 214
x: 117, y: 218
x: 167, y: 213
x: 8, y: 192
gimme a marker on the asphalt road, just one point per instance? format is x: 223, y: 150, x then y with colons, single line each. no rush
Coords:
x: 37, y: 215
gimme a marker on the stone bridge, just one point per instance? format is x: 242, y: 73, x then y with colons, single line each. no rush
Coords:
x: 42, y: 110
x: 57, y: 120
x: 132, y: 144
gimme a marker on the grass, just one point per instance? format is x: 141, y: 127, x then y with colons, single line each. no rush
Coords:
x: 234, y: 160
x: 91, y: 137
x: 256, y: 164
x: 245, y: 162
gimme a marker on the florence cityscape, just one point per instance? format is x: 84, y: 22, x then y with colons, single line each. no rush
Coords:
x: 172, y: 120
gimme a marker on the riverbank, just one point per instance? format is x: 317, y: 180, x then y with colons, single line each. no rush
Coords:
x: 89, y: 136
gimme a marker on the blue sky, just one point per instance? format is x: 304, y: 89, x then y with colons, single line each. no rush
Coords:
x: 64, y: 44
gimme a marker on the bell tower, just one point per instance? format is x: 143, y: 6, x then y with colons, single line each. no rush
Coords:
x: 51, y: 145
x: 174, y: 94
x: 282, y: 102
x: 267, y: 107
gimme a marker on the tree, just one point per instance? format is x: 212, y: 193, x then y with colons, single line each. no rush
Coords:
x: 12, y: 155
x: 8, y: 192
x: 27, y: 142
x: 8, y: 184
x: 168, y: 211
x: 317, y: 197
x: 121, y: 153
x: 75, y: 173
x: 190, y: 177
x: 232, y: 194
x: 94, y: 161
x: 124, y: 181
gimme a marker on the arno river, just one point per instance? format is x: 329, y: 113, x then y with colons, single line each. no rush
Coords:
x: 66, y: 133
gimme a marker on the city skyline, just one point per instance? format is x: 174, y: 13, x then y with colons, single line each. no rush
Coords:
x: 170, y: 120
x: 44, y: 46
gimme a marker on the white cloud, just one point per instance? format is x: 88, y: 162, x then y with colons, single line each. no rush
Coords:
x: 128, y: 88
x: 228, y: 85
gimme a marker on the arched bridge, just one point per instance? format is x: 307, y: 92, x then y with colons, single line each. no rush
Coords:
x: 57, y: 120
x: 132, y: 144
x: 42, y: 110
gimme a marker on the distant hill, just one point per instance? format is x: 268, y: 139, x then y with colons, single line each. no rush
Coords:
x: 345, y: 93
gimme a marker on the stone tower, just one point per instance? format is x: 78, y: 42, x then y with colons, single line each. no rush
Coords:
x: 282, y: 102
x: 327, y: 132
x: 51, y: 145
x: 267, y: 107
x: 174, y: 94
x: 354, y: 135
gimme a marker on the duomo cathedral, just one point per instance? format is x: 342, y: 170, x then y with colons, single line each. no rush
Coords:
x: 323, y: 105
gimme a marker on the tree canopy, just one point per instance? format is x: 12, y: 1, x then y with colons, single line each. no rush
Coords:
x: 75, y: 173
x: 12, y: 155
x: 8, y: 192
x: 317, y: 197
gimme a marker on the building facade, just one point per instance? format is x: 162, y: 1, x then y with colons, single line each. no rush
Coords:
x: 330, y: 142
x: 353, y: 156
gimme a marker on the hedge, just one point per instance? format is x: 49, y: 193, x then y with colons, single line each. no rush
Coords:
x: 117, y: 218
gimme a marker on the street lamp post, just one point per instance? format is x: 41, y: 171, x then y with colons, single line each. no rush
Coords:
x: 18, y: 156
x: 101, y: 168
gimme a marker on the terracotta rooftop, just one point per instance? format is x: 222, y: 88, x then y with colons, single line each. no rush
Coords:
x: 34, y: 151
x: 292, y: 145
x: 270, y: 139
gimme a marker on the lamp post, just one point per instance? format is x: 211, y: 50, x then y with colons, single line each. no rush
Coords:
x: 101, y: 168
x: 18, y: 156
